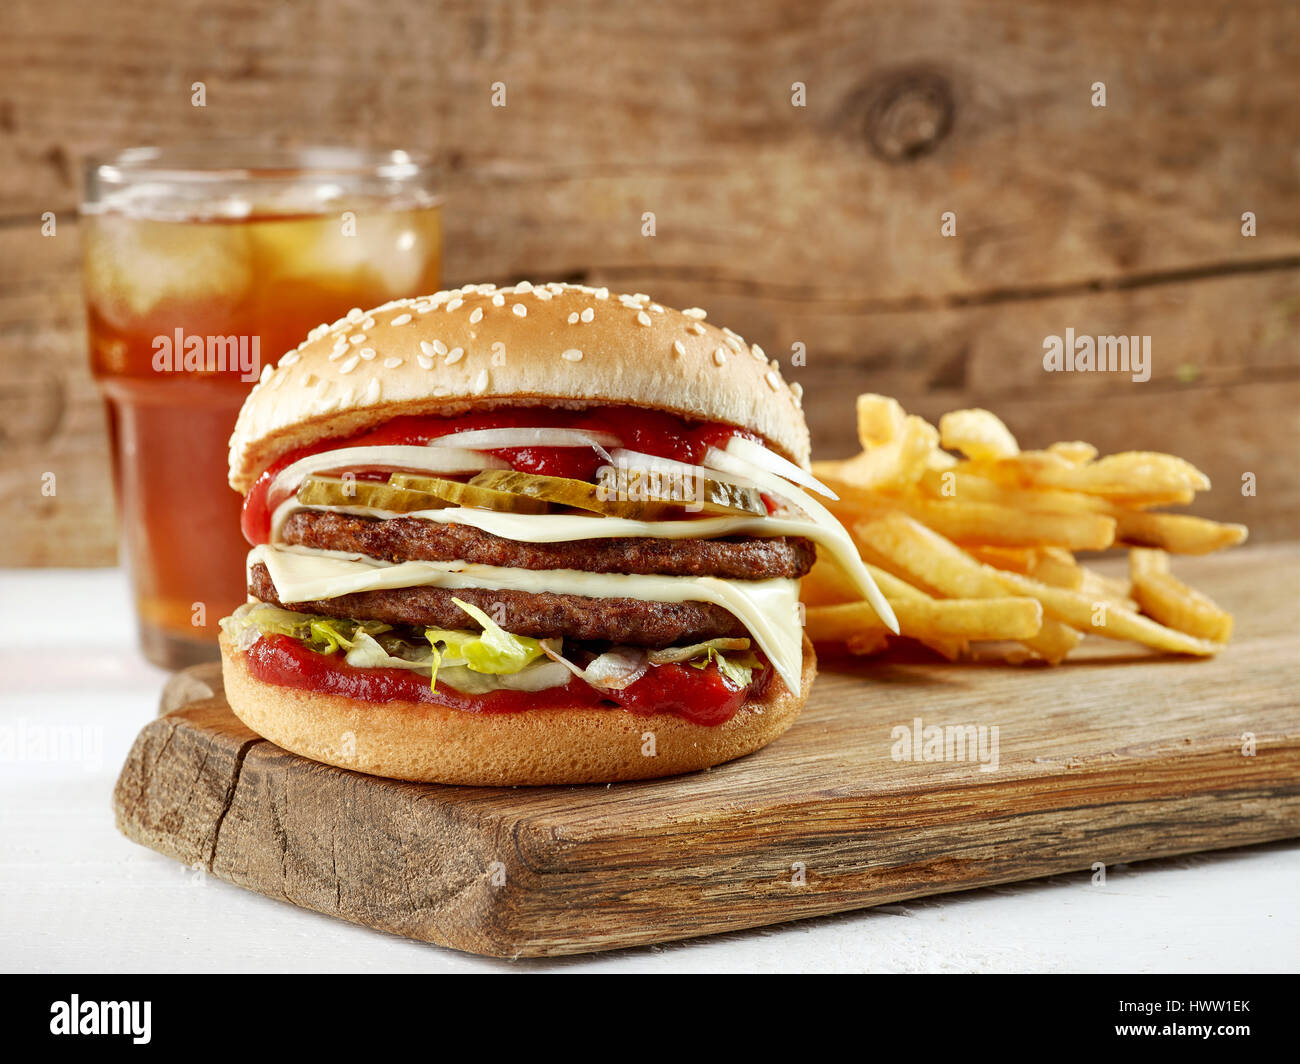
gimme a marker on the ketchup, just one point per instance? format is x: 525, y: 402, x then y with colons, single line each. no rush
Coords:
x: 647, y: 431
x: 702, y: 696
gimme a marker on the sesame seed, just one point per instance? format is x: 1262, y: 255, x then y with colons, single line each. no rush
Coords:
x: 498, y: 300
x: 455, y: 355
x: 349, y: 365
x: 734, y: 344
x: 339, y: 352
x: 428, y: 348
x: 758, y: 352
x: 601, y: 293
x: 357, y: 338
x: 695, y: 328
x: 356, y: 314
x: 392, y: 363
x: 719, y: 355
x: 372, y: 390
x: 476, y: 316
x: 571, y: 355
x: 730, y: 333
x: 401, y: 319
x: 573, y: 318
x: 797, y: 389
x: 542, y: 294
x: 775, y: 365
x: 656, y: 308
x: 679, y: 348
x: 641, y: 297
x: 290, y: 358
x: 642, y: 317
x: 277, y: 380
x: 367, y: 353
x: 455, y: 304
x: 519, y: 310
x: 266, y: 373
x: 425, y: 361
x: 369, y: 323
x: 587, y: 314
x: 696, y: 313
x: 424, y: 309
x: 772, y: 379
x: 524, y: 286
x: 481, y: 382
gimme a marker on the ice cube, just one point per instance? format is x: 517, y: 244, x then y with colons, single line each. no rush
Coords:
x: 134, y: 265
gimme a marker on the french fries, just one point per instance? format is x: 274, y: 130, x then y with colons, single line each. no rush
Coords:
x: 987, y: 523
x: 1171, y: 602
x: 912, y: 552
x: 880, y: 419
x: 1057, y: 567
x: 1176, y: 533
x: 998, y: 618
x: 1132, y: 476
x: 900, y: 461
x: 975, y: 551
x: 979, y: 435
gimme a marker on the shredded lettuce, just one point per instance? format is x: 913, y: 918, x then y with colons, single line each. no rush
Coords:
x: 368, y: 653
x: 471, y: 662
x: 738, y: 668
x: 475, y: 662
x: 493, y: 650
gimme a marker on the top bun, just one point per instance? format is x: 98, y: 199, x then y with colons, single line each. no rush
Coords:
x: 481, y: 346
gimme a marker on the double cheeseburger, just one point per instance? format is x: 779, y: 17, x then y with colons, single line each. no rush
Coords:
x: 529, y: 535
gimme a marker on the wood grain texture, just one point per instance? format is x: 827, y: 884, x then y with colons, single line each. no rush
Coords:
x: 816, y: 224
x: 1116, y: 757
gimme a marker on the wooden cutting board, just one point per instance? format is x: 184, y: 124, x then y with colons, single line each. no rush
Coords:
x: 1115, y: 757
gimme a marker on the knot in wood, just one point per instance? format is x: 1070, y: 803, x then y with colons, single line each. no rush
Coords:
x: 909, y: 114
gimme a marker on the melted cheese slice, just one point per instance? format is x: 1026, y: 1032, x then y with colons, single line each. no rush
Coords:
x: 769, y: 609
x: 827, y: 533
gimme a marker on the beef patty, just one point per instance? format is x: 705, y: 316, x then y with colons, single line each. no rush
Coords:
x: 543, y: 615
x: 402, y: 539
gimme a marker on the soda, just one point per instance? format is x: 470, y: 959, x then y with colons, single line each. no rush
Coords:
x: 184, y: 305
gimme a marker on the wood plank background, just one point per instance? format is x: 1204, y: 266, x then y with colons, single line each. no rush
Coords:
x: 817, y: 225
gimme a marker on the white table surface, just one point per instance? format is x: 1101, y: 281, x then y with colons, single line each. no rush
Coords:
x: 77, y: 896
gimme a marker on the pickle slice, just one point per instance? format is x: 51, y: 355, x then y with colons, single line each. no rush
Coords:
x: 458, y: 494
x: 694, y: 493
x: 334, y: 491
x: 564, y: 491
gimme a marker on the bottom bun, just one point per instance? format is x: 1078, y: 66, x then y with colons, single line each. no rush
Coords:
x: 435, y: 744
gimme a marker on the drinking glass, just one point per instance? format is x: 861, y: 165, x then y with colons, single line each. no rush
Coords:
x: 200, y: 267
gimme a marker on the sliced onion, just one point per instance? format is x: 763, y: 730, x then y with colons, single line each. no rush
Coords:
x: 757, y: 454
x: 493, y: 439
x: 611, y: 671
x: 537, y: 676
x: 423, y: 459
x: 652, y: 463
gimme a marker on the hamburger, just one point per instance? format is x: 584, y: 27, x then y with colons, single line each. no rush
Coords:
x: 529, y: 535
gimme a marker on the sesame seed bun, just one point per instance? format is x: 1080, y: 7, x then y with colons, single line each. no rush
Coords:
x: 432, y: 744
x: 481, y: 346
